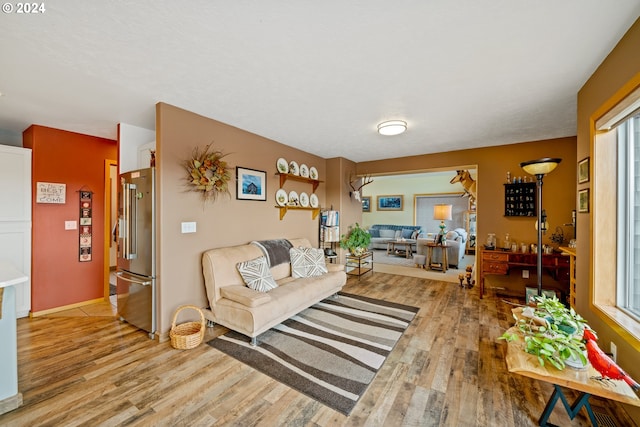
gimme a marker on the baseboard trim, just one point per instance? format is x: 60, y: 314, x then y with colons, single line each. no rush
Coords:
x: 10, y: 403
x: 65, y: 307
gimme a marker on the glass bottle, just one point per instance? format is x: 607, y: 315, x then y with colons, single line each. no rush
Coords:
x: 507, y: 242
x: 491, y: 241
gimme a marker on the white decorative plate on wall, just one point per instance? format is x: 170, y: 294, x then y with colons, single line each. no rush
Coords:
x: 304, y: 170
x: 282, y: 165
x: 293, y: 168
x: 281, y: 197
x: 304, y: 200
x: 313, y: 173
x: 293, y: 198
x: 313, y: 200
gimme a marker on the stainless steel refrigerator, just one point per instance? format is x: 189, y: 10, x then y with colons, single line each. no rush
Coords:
x: 136, y: 269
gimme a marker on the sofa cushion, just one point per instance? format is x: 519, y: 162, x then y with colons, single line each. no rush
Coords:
x: 415, y: 234
x: 406, y: 233
x: 245, y: 296
x: 387, y: 234
x: 374, y: 232
x: 453, y: 235
x: 307, y: 262
x: 256, y: 275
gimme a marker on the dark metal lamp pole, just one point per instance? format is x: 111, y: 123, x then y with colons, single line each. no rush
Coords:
x: 540, y: 168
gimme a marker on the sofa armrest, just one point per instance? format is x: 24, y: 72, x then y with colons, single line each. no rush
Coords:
x: 244, y: 295
x: 332, y: 268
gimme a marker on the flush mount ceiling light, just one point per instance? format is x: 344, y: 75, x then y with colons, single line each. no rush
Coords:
x: 392, y: 127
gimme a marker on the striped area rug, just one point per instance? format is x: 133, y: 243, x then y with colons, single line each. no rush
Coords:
x: 331, y: 351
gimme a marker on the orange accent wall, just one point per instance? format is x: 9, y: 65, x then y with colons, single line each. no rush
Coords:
x: 57, y: 277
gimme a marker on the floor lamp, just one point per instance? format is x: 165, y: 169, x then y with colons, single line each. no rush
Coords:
x: 540, y: 168
x: 442, y: 212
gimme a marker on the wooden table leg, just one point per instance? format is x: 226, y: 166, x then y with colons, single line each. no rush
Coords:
x: 572, y: 410
x: 445, y: 260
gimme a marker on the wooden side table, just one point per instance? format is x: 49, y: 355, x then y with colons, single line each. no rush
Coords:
x: 445, y: 262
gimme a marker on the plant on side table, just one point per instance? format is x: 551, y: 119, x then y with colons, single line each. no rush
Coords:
x: 356, y: 241
x: 551, y: 332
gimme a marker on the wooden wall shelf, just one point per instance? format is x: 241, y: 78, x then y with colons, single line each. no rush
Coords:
x: 287, y: 176
x: 285, y: 209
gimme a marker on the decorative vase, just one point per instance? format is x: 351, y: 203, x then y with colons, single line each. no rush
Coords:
x: 357, y: 251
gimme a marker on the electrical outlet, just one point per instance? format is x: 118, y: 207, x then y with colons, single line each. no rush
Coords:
x: 525, y: 274
x: 614, y: 351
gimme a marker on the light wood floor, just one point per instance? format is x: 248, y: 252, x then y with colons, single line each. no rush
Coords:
x: 87, y: 368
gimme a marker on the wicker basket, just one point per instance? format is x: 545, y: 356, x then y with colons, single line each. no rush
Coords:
x: 187, y: 335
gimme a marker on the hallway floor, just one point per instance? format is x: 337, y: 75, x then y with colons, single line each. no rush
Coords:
x: 98, y: 309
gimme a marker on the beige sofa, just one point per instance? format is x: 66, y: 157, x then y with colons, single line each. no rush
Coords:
x: 242, y: 309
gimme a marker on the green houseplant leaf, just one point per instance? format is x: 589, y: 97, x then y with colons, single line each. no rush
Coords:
x: 356, y: 238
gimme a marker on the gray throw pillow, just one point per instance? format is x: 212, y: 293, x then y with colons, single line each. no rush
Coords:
x: 256, y: 274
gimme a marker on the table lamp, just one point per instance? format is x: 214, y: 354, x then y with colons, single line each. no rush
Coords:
x: 540, y: 168
x: 442, y: 212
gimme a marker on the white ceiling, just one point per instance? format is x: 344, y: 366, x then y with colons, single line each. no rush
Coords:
x: 317, y: 75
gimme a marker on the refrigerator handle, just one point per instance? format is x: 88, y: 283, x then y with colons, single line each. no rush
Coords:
x: 124, y: 226
x: 138, y: 282
x: 129, y: 212
x: 133, y: 221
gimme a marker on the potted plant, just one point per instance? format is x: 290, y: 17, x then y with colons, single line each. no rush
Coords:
x: 356, y: 241
x: 552, y: 333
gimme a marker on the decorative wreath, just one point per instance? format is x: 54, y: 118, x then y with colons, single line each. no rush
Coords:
x: 208, y: 173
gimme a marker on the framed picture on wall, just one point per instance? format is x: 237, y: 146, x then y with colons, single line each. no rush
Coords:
x: 583, y: 200
x: 583, y: 171
x: 390, y: 203
x: 366, y: 204
x: 251, y: 184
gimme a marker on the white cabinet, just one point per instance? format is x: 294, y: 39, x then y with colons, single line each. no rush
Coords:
x: 15, y: 218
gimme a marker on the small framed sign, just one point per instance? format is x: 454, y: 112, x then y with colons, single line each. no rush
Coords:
x: 49, y: 192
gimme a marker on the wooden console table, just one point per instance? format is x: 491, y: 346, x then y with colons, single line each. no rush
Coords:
x: 581, y: 380
x: 501, y: 262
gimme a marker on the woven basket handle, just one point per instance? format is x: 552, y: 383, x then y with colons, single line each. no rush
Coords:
x: 182, y: 307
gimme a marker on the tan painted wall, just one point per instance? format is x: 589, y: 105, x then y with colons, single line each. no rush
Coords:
x: 492, y: 163
x: 225, y: 222
x: 618, y: 68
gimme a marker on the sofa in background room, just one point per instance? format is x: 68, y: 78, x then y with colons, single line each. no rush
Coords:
x: 381, y: 233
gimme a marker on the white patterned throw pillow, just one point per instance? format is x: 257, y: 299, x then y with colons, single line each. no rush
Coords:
x: 256, y: 274
x: 307, y: 262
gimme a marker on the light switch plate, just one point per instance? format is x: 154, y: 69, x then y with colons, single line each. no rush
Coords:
x: 188, y: 227
x: 525, y: 274
x: 71, y: 225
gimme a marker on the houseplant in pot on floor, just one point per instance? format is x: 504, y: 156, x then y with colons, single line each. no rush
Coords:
x: 356, y: 241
